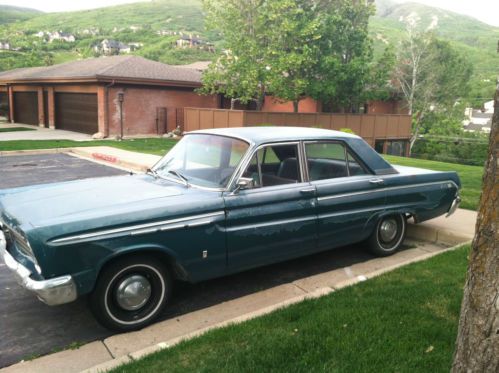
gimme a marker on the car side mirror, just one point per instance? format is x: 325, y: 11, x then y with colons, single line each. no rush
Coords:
x: 244, y: 183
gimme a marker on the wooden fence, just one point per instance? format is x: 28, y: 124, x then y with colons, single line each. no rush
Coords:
x: 371, y: 127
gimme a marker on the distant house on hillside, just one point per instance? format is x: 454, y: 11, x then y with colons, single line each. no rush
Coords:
x: 479, y: 120
x: 194, y: 41
x: 110, y: 47
x: 4, y: 45
x: 62, y: 36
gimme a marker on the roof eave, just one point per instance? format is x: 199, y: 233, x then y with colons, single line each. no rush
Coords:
x: 142, y: 81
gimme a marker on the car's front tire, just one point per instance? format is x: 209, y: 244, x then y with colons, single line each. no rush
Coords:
x: 388, y: 236
x: 130, y: 293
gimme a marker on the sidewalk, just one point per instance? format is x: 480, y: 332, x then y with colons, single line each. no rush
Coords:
x: 40, y: 133
x: 425, y: 240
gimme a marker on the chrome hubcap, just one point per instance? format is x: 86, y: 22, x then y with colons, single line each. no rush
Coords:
x: 388, y: 230
x: 133, y: 292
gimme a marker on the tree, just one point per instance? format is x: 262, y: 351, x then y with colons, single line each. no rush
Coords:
x: 379, y: 85
x: 430, y: 74
x: 344, y: 53
x: 477, y: 346
x: 241, y: 72
x: 291, y: 50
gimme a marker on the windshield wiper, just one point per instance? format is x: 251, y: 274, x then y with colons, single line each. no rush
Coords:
x: 153, y: 173
x: 180, y: 176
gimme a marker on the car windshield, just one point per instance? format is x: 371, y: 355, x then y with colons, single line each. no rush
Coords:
x: 203, y: 160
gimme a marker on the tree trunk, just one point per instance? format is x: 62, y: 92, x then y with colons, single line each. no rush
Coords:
x: 232, y: 103
x: 295, y: 105
x: 477, y: 345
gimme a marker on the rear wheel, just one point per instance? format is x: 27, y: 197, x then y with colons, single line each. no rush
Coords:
x: 130, y: 293
x: 388, y: 235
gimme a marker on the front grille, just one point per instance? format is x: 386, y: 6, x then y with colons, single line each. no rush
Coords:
x: 14, y: 239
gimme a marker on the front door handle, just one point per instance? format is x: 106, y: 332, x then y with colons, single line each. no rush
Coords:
x: 377, y: 181
x: 307, y: 191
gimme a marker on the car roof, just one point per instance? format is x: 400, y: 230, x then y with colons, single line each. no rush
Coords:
x: 263, y: 134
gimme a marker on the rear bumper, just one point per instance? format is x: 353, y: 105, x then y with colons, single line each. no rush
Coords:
x: 453, y: 207
x: 54, y: 291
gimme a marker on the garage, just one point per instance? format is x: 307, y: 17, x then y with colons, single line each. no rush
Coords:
x: 4, y: 104
x: 76, y: 112
x: 26, y: 107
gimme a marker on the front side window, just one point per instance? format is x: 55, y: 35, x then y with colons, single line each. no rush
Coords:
x: 274, y: 165
x: 329, y: 160
x: 203, y: 160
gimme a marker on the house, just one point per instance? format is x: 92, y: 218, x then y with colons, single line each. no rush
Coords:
x: 83, y: 96
x: 194, y: 41
x: 111, y: 47
x: 62, y: 36
x: 479, y: 120
x: 5, y: 45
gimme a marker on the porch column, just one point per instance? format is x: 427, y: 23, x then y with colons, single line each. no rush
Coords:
x: 102, y: 109
x: 51, y: 107
x: 11, y: 103
x: 41, y: 108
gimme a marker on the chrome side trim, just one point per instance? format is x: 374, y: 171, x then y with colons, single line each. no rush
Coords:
x: 139, y: 229
x: 348, y: 212
x: 269, y: 224
x: 324, y: 198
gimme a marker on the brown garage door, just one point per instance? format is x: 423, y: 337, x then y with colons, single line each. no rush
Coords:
x: 4, y: 104
x: 26, y: 107
x: 76, y: 112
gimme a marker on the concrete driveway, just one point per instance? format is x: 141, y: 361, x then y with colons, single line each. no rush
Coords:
x: 40, y: 133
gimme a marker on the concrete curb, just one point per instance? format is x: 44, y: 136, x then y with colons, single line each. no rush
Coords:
x: 264, y: 311
x: 81, y: 152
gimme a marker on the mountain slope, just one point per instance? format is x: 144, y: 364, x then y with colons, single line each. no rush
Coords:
x: 141, y: 22
x: 10, y: 14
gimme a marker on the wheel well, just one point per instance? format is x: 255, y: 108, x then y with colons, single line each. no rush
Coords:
x: 167, y: 260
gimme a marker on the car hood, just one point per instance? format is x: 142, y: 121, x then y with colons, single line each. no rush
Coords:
x: 87, y: 199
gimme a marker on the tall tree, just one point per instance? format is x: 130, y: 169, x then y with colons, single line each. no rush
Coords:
x: 292, y: 49
x: 430, y: 73
x: 241, y: 72
x: 344, y: 53
x: 477, y: 346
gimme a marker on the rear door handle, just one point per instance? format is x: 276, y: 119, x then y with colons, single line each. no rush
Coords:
x: 307, y: 191
x: 377, y: 181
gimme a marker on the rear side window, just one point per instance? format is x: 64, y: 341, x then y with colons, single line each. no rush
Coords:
x: 330, y: 160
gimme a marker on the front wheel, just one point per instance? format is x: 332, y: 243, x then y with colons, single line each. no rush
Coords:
x: 388, y: 235
x: 130, y: 293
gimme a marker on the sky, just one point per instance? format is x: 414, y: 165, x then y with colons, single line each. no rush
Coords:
x: 485, y: 10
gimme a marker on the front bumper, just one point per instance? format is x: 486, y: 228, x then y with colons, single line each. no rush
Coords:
x: 453, y: 207
x: 54, y: 291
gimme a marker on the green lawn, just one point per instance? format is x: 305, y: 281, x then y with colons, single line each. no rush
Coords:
x: 471, y: 176
x: 403, y: 321
x: 157, y: 146
x: 15, y: 129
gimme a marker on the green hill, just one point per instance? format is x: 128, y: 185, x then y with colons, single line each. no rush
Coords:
x: 153, y: 25
x: 9, y: 14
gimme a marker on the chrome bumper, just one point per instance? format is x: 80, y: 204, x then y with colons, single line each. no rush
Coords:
x: 453, y: 207
x: 54, y: 291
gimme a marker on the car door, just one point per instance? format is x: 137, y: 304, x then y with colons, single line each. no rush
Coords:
x: 349, y: 197
x: 274, y: 219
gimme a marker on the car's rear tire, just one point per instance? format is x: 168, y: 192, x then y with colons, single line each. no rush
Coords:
x: 130, y: 293
x: 388, y: 236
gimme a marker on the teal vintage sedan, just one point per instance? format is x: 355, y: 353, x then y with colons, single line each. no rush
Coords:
x: 221, y: 201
